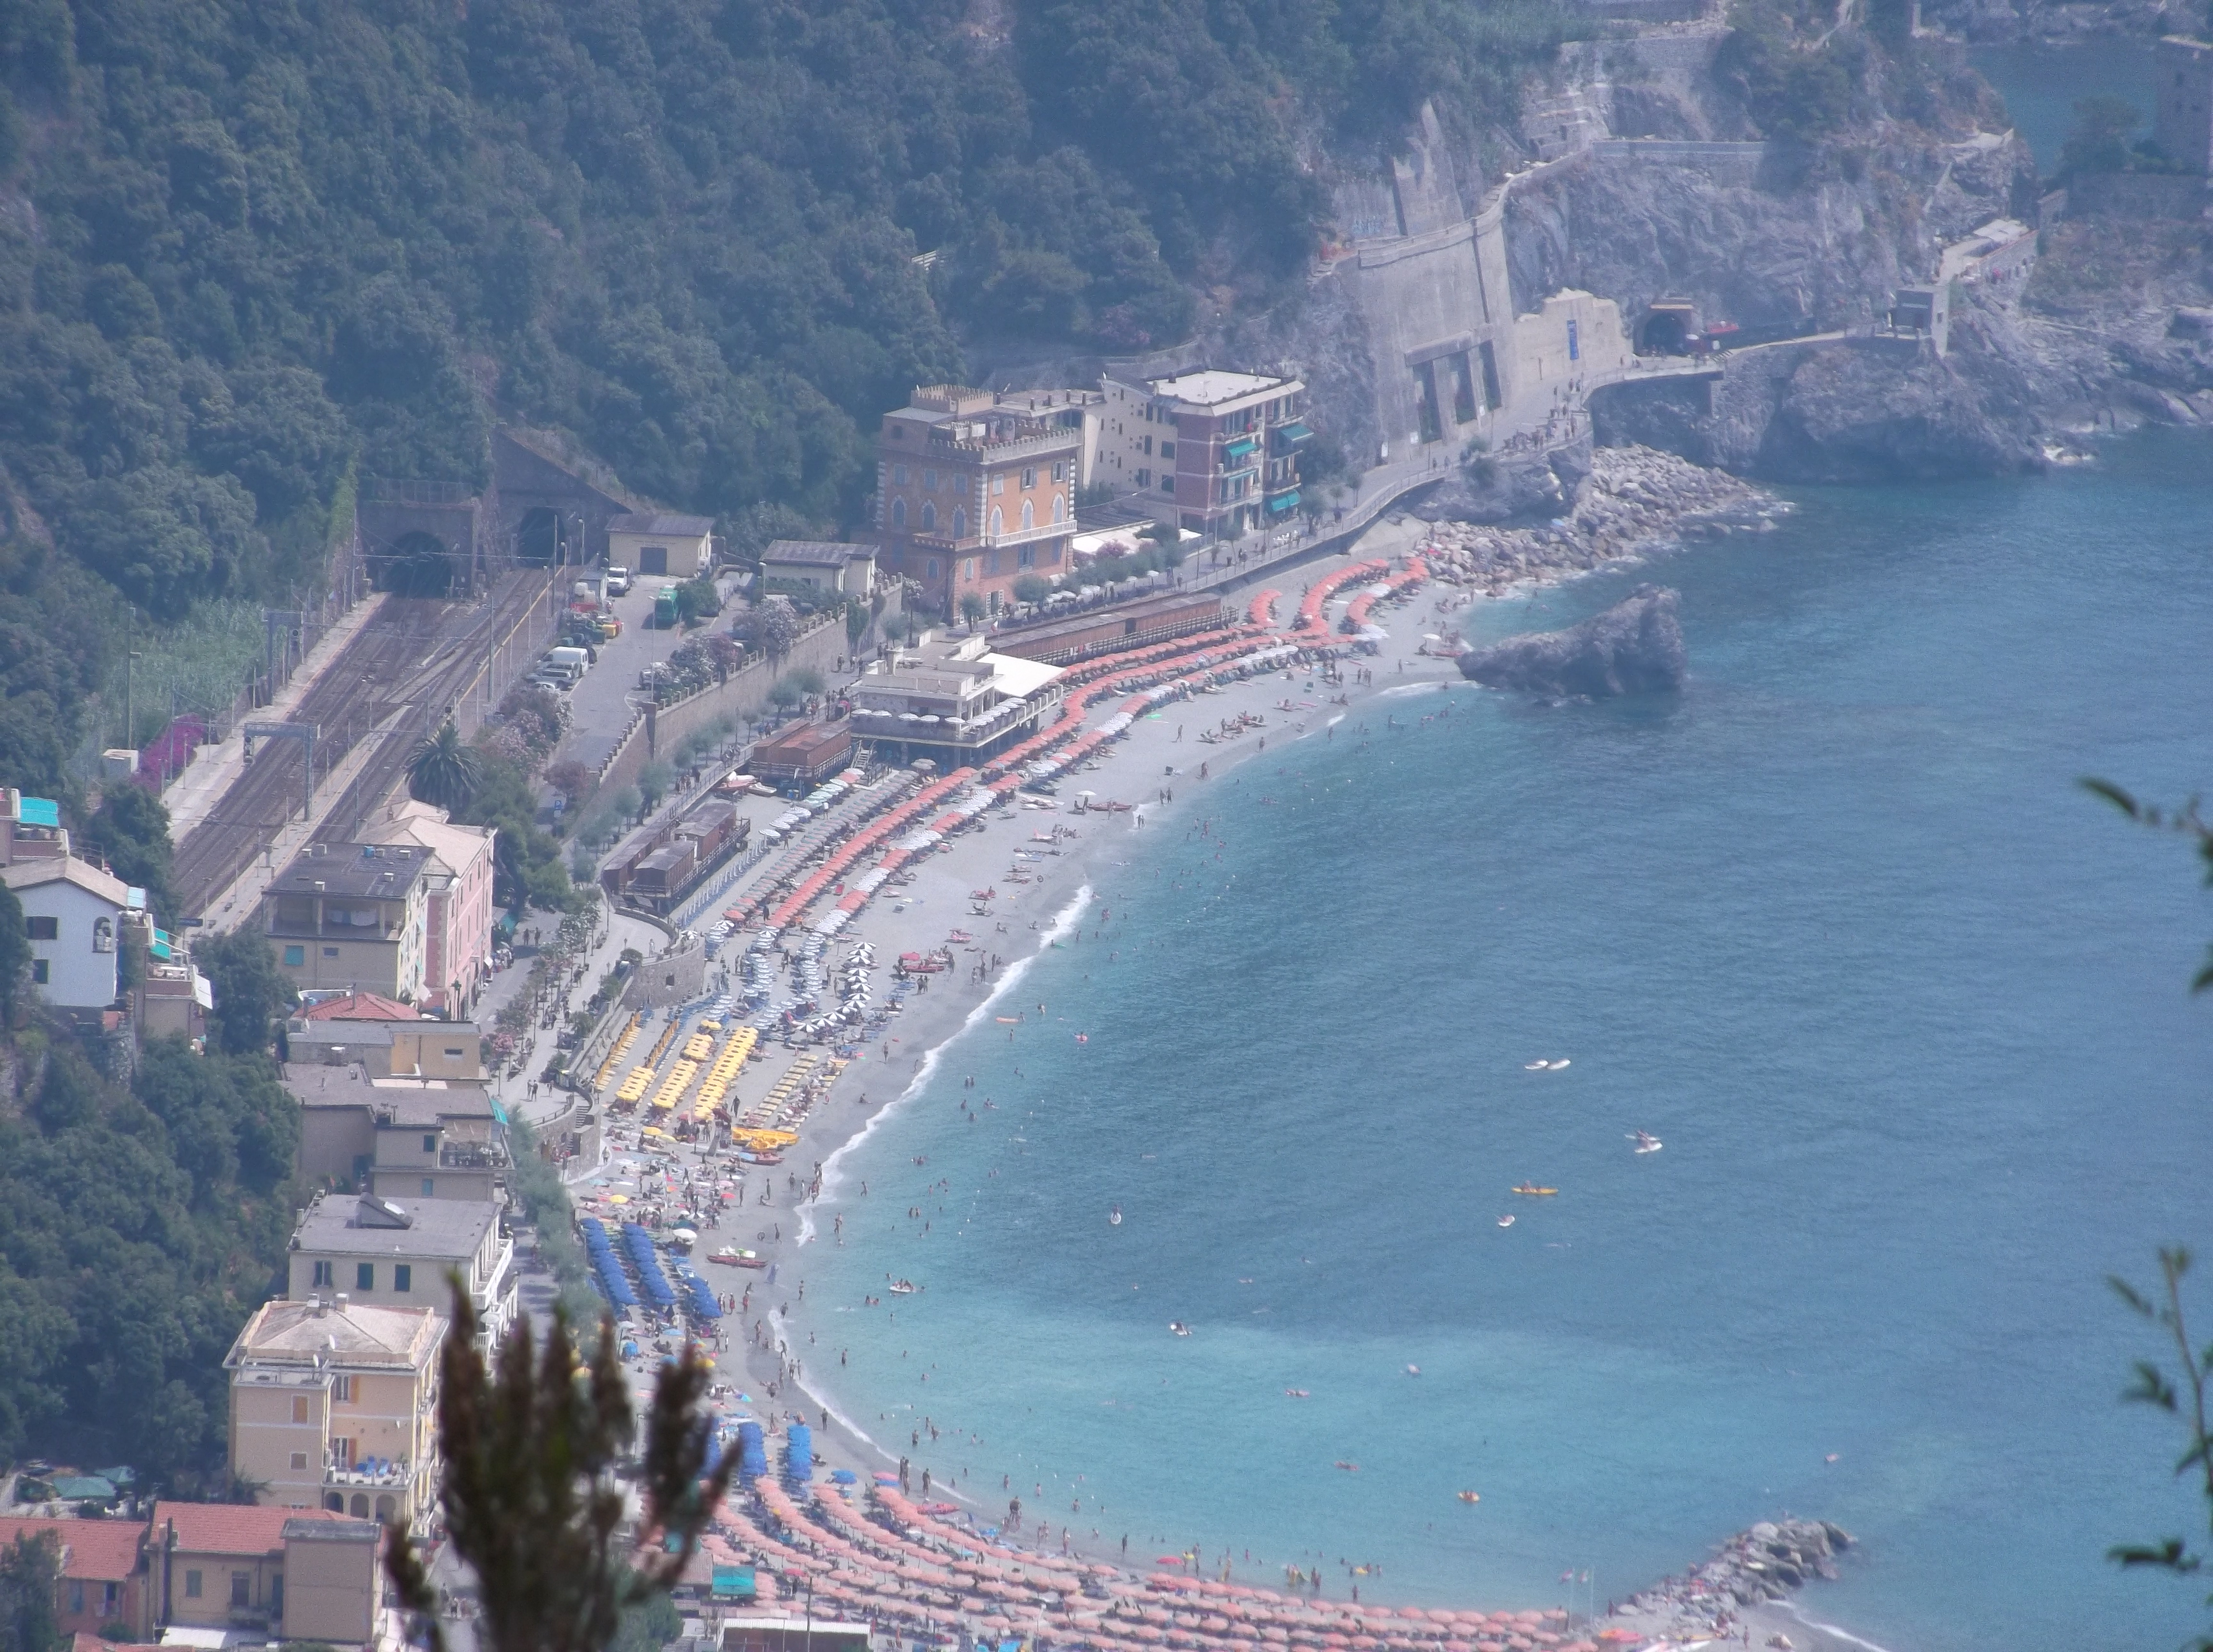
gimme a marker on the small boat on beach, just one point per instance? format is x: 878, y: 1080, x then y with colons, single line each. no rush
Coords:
x: 1506, y: 1221
x: 1646, y: 1142
x: 1179, y: 1327
x: 736, y: 1259
x: 1533, y: 1190
x: 1471, y: 1496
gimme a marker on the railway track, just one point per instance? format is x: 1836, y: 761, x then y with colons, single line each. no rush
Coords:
x: 416, y: 659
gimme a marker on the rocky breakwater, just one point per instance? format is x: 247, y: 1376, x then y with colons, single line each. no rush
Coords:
x: 1610, y: 503
x: 1766, y: 1562
x: 1636, y: 647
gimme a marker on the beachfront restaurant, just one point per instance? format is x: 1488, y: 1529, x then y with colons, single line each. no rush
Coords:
x: 958, y: 703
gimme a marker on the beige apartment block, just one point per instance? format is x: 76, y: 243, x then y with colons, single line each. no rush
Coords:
x: 333, y: 1405
x: 399, y: 1255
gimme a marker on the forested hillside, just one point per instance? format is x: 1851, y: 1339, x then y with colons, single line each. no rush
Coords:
x: 138, y: 1228
x: 245, y: 246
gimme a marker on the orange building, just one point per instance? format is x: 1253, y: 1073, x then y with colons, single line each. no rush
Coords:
x: 103, y: 1572
x: 973, y: 494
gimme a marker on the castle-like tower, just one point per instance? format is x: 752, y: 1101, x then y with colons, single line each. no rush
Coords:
x: 2183, y: 127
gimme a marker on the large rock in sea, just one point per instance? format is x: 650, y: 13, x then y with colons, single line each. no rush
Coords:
x: 1635, y: 646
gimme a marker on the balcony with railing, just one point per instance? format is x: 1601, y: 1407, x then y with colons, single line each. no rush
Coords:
x: 471, y: 1156
x: 369, y: 1474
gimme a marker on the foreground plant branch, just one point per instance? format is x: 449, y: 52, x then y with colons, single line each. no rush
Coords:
x: 531, y: 1499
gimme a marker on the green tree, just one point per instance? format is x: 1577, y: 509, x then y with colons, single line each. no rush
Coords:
x: 971, y: 608
x: 531, y: 1495
x: 858, y: 619
x: 526, y: 867
x: 2098, y: 140
x: 250, y: 990
x: 231, y: 1124
x: 131, y: 828
x: 444, y: 770
x: 1030, y: 589
x: 30, y: 1575
x: 15, y: 955
x: 696, y: 600
x: 120, y: 1291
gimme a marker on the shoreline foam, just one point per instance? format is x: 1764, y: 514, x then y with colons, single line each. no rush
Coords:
x: 935, y: 1024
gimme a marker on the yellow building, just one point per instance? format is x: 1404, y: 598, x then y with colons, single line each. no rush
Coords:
x: 333, y: 1406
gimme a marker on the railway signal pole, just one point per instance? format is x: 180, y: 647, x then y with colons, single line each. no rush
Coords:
x: 303, y: 732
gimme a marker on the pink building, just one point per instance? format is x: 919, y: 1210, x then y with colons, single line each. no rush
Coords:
x: 457, y: 944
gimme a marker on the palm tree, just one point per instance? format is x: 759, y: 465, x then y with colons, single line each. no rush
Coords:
x: 442, y: 770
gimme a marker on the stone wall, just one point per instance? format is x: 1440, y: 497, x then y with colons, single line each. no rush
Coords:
x: 2139, y: 195
x: 744, y: 695
x: 675, y: 976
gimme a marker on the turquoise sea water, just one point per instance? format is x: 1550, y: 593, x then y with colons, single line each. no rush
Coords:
x: 2041, y: 84
x: 1908, y: 1011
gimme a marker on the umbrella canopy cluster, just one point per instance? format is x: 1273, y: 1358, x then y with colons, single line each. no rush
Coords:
x: 901, y: 1565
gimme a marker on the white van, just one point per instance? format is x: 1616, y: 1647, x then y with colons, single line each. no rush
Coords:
x: 617, y: 581
x: 562, y: 667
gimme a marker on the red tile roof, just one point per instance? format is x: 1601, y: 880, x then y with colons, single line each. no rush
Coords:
x: 93, y: 1551
x: 360, y: 1007
x: 230, y: 1527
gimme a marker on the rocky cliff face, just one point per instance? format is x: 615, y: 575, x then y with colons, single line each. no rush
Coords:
x: 1759, y: 235
x: 1636, y: 647
x: 1843, y: 413
x: 1675, y: 198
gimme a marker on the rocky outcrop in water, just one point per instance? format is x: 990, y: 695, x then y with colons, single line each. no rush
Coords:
x: 1636, y: 647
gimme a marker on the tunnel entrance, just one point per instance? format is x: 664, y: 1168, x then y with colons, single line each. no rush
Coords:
x: 418, y: 565
x: 538, y: 541
x: 1669, y: 329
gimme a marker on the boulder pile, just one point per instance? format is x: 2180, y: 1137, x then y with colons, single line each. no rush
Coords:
x: 1630, y: 500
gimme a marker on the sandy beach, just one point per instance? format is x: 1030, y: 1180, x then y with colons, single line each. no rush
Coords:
x: 1046, y: 866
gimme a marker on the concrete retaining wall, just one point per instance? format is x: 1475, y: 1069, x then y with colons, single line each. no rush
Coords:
x: 745, y: 695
